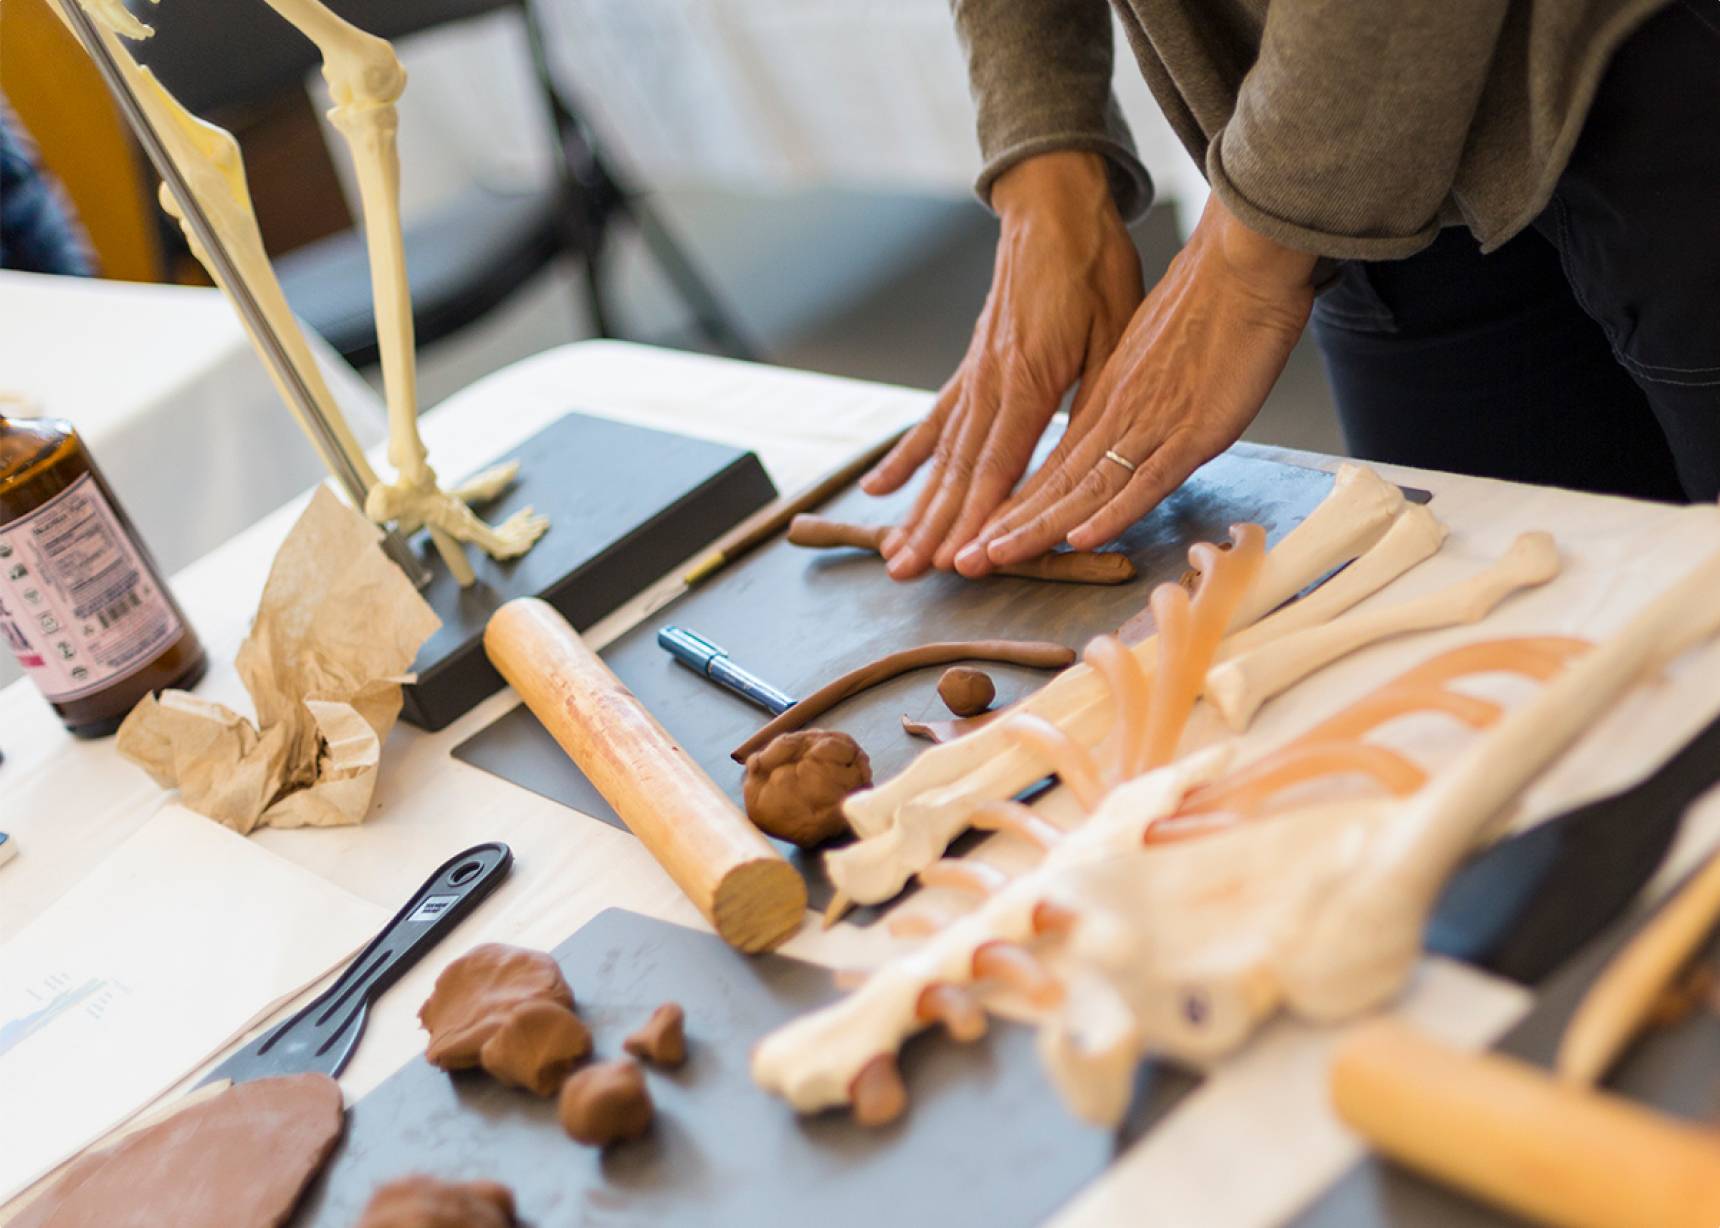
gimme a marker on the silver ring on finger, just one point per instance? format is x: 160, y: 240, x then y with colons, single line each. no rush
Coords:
x: 1125, y: 462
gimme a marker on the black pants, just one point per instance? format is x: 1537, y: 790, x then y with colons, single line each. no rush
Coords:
x: 1585, y: 352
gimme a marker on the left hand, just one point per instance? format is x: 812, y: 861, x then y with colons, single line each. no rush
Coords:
x: 1191, y: 372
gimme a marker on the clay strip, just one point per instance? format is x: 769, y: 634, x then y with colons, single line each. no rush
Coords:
x: 1063, y: 566
x: 1035, y: 654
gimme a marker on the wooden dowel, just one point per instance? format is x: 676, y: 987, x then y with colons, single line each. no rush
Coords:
x: 1512, y: 1134
x: 748, y: 892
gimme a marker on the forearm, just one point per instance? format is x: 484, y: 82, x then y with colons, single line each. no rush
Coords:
x: 1040, y: 75
x: 1348, y: 128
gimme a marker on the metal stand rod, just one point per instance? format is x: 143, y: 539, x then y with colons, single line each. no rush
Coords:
x: 274, y: 352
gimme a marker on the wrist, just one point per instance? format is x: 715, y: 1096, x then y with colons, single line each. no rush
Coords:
x: 1064, y: 181
x: 1258, y: 259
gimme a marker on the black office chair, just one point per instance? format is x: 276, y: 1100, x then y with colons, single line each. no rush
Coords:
x: 472, y: 253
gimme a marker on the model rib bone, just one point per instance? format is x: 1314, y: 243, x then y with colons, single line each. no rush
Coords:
x: 1237, y: 687
x: 365, y: 79
x: 1185, y: 948
x: 907, y: 822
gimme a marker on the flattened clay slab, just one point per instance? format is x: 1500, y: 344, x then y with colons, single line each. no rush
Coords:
x: 984, y: 1141
x: 237, y: 1160
x: 799, y: 618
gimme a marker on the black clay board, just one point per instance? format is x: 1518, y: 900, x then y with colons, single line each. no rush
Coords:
x: 798, y: 618
x: 985, y: 1140
x: 625, y: 505
x: 1675, y: 1069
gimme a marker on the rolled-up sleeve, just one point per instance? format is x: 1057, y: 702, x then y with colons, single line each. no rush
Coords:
x: 1349, y: 127
x: 1040, y: 74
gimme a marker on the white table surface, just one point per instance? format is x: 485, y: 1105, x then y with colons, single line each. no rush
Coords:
x: 166, y: 390
x: 1253, y: 1143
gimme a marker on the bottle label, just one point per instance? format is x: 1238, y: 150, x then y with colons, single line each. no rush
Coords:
x: 79, y: 607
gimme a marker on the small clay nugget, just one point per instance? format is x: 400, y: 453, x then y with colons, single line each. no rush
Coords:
x: 537, y: 1047
x: 663, y: 1039
x: 795, y: 784
x: 966, y: 691
x: 606, y: 1103
x: 424, y: 1202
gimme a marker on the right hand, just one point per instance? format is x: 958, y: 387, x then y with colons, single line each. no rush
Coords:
x: 1066, y: 282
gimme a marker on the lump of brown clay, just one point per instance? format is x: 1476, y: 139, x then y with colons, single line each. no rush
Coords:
x: 508, y: 1010
x: 606, y: 1103
x: 240, y: 1159
x: 663, y: 1039
x: 966, y: 691
x: 424, y: 1202
x: 795, y: 784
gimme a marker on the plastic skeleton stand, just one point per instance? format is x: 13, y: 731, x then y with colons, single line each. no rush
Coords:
x: 366, y: 79
x: 1126, y: 940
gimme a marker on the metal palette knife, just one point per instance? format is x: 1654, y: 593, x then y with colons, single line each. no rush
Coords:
x: 321, y: 1038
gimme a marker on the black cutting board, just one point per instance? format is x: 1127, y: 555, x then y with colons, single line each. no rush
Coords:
x: 798, y: 618
x: 985, y: 1140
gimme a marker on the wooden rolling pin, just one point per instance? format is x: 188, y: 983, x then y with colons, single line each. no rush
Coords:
x: 1514, y: 1135
x: 1064, y: 566
x: 751, y: 896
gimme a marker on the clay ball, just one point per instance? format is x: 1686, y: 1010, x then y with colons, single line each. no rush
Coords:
x: 508, y: 1010
x: 795, y: 784
x: 966, y: 691
x: 663, y: 1039
x: 606, y: 1103
x: 424, y: 1202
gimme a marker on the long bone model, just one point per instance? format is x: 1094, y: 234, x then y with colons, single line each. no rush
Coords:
x: 906, y: 823
x: 1116, y: 947
x: 365, y: 79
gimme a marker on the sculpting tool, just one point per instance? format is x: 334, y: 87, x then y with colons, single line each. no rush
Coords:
x: 709, y: 661
x: 321, y: 1038
x: 767, y: 522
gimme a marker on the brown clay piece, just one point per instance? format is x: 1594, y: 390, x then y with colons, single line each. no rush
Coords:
x: 662, y: 1041
x: 239, y: 1159
x: 1034, y: 654
x: 509, y: 1010
x: 424, y: 1202
x: 966, y: 691
x: 606, y: 1103
x: 795, y: 785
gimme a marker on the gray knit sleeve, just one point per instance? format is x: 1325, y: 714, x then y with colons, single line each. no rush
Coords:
x: 1349, y: 126
x: 1040, y: 75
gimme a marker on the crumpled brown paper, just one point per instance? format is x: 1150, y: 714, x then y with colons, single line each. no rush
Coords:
x: 336, y: 631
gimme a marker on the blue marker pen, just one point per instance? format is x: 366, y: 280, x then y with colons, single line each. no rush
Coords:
x: 703, y: 657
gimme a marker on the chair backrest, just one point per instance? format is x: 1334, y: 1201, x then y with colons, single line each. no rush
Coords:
x: 220, y: 53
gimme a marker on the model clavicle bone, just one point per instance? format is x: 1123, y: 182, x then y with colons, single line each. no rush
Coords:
x: 907, y: 822
x: 1185, y: 948
x: 365, y: 79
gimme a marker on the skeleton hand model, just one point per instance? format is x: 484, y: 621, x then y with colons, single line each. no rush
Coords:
x: 366, y: 79
x: 906, y: 823
x: 1129, y: 937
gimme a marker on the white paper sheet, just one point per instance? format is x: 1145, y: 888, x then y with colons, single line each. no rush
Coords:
x: 183, y: 938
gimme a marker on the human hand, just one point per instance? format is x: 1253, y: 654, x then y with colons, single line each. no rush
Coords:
x: 1066, y: 280
x: 1191, y: 372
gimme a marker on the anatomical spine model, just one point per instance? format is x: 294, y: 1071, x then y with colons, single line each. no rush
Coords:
x: 1132, y: 936
x: 365, y: 79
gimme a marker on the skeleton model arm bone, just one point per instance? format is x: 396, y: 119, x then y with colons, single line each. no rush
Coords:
x: 915, y: 816
x: 1237, y: 687
x: 366, y: 79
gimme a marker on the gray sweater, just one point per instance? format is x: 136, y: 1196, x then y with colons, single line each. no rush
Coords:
x: 1346, y: 128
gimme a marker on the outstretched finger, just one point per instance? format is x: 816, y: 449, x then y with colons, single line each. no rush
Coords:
x: 911, y: 451
x: 1050, y: 526
x: 1004, y: 455
x: 945, y: 491
x: 1154, y: 478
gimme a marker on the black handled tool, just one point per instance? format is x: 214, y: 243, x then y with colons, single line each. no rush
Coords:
x: 321, y: 1037
x: 1524, y: 906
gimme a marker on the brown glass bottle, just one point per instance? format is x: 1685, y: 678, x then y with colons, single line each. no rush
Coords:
x: 82, y: 604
